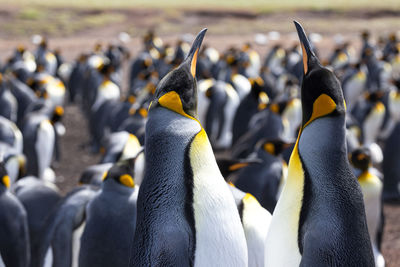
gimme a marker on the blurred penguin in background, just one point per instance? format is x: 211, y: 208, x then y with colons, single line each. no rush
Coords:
x: 371, y: 187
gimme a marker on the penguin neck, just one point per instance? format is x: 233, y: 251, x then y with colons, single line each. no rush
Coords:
x: 110, y: 185
x: 3, y: 189
x: 322, y: 148
x: 168, y: 138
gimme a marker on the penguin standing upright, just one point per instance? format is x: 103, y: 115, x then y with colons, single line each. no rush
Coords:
x: 14, y: 235
x: 319, y: 219
x: 111, y: 219
x: 39, y: 199
x: 265, y: 181
x: 186, y: 213
x: 391, y: 152
x: 371, y: 187
x: 61, y: 238
x: 255, y: 220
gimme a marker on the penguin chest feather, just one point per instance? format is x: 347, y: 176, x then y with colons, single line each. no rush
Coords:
x: 282, y: 241
x: 220, y: 239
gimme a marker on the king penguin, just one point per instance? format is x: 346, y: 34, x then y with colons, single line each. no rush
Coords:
x: 371, y: 187
x: 64, y: 227
x: 111, y: 219
x: 319, y: 219
x: 187, y: 215
x: 14, y: 235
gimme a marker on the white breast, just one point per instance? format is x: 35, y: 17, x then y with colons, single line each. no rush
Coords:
x: 48, y: 259
x: 44, y: 146
x: 373, y: 123
x: 353, y: 89
x: 230, y: 108
x: 282, y: 248
x: 76, y: 244
x: 202, y: 100
x: 372, y: 190
x: 242, y: 85
x: 220, y: 239
x: 256, y: 222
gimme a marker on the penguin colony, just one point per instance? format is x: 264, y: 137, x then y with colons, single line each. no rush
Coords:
x: 208, y: 159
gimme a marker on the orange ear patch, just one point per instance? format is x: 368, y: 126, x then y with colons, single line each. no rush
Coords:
x: 194, y: 63
x: 305, y: 59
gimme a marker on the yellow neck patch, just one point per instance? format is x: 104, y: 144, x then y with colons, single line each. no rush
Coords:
x: 172, y: 101
x: 269, y: 148
x: 249, y: 198
x: 237, y: 166
x: 322, y: 106
x: 6, y: 181
x: 127, y: 180
x: 104, y: 176
x: 379, y: 107
x: 274, y: 108
x: 365, y: 176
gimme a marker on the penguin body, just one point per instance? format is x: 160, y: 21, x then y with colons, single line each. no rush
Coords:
x: 264, y: 124
x: 14, y: 162
x: 8, y: 102
x: 110, y: 221
x: 321, y: 194
x: 249, y: 106
x: 371, y: 187
x: 39, y: 199
x: 390, y: 166
x: 24, y: 96
x: 264, y: 181
x: 14, y: 235
x: 10, y: 134
x: 354, y: 84
x: 255, y: 220
x: 106, y: 91
x: 39, y: 142
x: 218, y: 112
x: 241, y: 84
x: 203, y: 228
x: 64, y: 229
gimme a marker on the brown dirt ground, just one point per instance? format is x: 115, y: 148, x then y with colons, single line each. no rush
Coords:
x: 225, y: 29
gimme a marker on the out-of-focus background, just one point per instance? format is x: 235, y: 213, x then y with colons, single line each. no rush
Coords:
x: 75, y: 26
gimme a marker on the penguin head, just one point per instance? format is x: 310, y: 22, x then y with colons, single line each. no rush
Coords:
x: 228, y: 166
x: 279, y: 107
x: 177, y: 91
x: 122, y: 172
x: 321, y: 93
x: 4, y: 178
x: 361, y: 158
x: 272, y: 146
x: 58, y: 113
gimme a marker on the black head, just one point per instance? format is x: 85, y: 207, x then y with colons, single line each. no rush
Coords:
x: 279, y: 107
x: 177, y: 91
x: 229, y: 166
x: 273, y: 146
x: 122, y: 172
x: 58, y: 113
x: 361, y: 158
x: 4, y: 178
x: 321, y: 93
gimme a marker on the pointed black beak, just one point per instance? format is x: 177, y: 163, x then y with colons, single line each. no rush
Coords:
x: 191, y: 59
x: 305, y: 46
